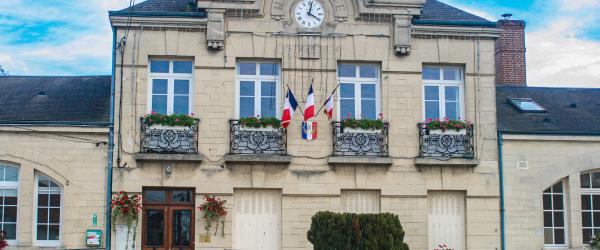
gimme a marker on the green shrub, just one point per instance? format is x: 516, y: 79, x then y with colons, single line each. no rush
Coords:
x: 335, y: 231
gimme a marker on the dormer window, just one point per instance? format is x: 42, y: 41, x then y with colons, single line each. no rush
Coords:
x: 526, y: 105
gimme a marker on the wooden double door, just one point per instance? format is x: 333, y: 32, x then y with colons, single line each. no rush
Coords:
x: 168, y: 219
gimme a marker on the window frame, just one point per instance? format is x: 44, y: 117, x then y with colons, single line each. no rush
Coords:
x: 442, y: 84
x: 358, y: 81
x: 170, y: 77
x: 514, y: 103
x: 12, y: 185
x: 258, y: 78
x: 591, y: 191
x: 565, y: 226
x: 46, y: 243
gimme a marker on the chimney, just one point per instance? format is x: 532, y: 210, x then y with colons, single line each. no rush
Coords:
x: 510, y: 52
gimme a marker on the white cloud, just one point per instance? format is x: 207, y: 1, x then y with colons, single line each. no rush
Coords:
x: 558, y: 54
x: 78, y: 40
x: 574, y: 5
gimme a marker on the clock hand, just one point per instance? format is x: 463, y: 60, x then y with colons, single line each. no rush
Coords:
x: 318, y: 19
x: 310, y: 9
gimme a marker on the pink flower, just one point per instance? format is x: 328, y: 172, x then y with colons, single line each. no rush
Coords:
x: 176, y: 119
x: 192, y: 114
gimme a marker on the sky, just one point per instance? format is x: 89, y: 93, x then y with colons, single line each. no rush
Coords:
x: 73, y: 37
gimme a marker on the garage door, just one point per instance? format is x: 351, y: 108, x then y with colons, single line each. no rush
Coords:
x: 446, y: 220
x: 257, y: 219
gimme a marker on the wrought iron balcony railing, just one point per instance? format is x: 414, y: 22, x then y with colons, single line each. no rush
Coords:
x: 446, y: 145
x: 245, y: 140
x: 353, y: 142
x: 169, y: 139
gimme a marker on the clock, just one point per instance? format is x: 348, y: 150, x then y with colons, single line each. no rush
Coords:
x: 309, y: 14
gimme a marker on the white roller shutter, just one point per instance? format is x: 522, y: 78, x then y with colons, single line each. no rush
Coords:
x: 257, y: 219
x: 446, y: 220
x: 361, y: 201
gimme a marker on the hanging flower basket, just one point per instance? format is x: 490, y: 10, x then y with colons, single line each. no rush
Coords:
x: 127, y: 207
x: 3, y: 242
x: 214, y: 212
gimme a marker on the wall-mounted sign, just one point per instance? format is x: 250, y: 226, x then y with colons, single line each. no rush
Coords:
x: 93, y: 238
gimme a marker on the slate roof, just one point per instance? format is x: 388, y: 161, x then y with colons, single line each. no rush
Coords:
x: 568, y: 110
x: 433, y: 12
x: 55, y: 99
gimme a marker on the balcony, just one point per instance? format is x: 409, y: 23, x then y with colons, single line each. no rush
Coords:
x: 363, y: 146
x: 169, y: 139
x: 257, y: 145
x: 449, y: 147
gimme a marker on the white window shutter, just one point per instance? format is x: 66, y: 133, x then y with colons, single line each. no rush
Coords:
x: 361, y: 201
x: 446, y: 219
x: 257, y: 219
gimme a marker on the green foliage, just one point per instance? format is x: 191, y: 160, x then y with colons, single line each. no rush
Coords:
x: 335, y: 231
x: 367, y: 124
x: 169, y: 120
x: 446, y: 124
x: 260, y: 122
x: 595, y: 242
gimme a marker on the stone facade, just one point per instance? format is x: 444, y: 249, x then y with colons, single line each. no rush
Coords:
x: 533, y: 163
x: 73, y: 157
x: 308, y: 183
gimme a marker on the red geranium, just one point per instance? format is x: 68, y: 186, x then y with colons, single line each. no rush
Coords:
x: 214, y: 209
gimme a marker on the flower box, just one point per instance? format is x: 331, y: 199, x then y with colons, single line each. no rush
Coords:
x: 448, y: 132
x: 268, y: 128
x: 362, y: 131
x: 167, y: 127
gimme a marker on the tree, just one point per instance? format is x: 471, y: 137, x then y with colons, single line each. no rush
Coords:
x: 3, y: 72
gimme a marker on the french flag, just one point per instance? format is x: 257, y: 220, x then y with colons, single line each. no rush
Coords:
x: 329, y: 107
x: 288, y: 110
x: 309, y: 128
x: 309, y: 107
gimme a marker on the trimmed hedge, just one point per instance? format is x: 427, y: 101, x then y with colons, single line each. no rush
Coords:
x: 335, y: 231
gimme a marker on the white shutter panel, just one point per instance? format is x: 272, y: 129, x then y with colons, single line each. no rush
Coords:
x: 257, y: 219
x: 361, y: 201
x: 446, y: 220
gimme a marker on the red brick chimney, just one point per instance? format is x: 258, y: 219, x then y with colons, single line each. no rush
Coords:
x: 510, y: 53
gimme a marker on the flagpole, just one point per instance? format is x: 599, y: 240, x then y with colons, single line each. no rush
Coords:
x: 332, y: 92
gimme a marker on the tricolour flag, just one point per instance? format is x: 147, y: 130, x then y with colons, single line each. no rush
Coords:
x: 309, y: 130
x: 329, y: 107
x: 309, y: 106
x: 288, y: 110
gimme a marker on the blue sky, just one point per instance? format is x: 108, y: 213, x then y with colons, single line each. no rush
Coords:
x: 73, y: 37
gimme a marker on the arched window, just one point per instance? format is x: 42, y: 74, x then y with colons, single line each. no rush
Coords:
x: 554, y: 215
x: 48, y: 212
x: 9, y: 186
x: 590, y: 205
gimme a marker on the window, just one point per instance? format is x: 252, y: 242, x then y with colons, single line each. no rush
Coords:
x: 48, y: 211
x: 443, y: 92
x: 359, y: 91
x: 9, y: 185
x: 258, y: 89
x: 526, y: 105
x: 361, y: 201
x: 170, y: 90
x: 554, y: 215
x: 590, y: 205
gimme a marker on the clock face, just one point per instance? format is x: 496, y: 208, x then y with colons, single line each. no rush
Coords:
x: 309, y: 14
